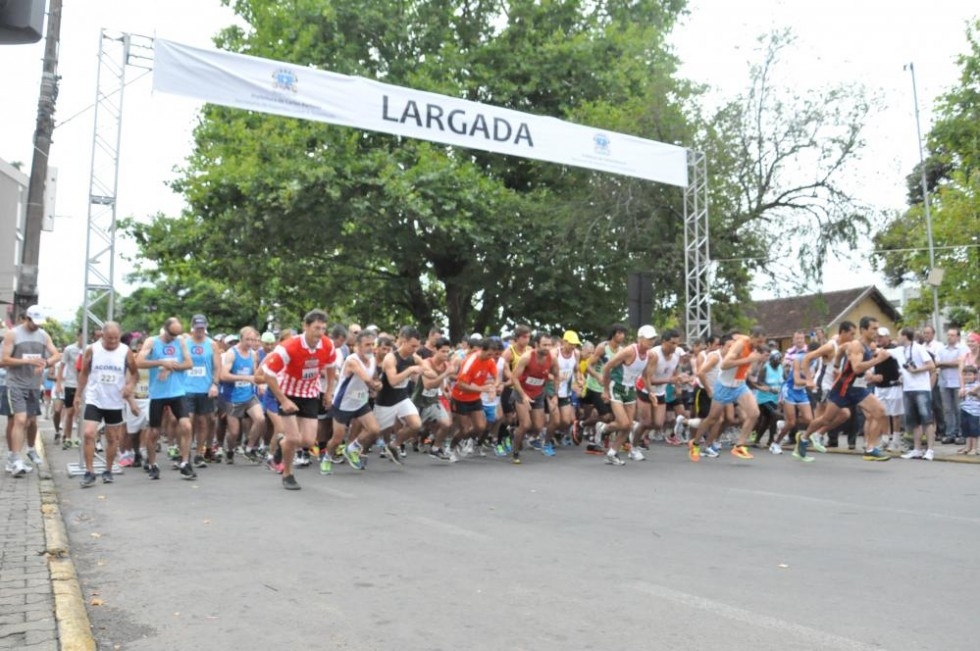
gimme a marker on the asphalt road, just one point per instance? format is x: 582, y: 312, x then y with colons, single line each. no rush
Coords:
x: 563, y: 553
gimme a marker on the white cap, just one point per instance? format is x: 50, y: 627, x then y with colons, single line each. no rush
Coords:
x: 476, y: 335
x: 884, y: 332
x: 647, y: 332
x: 35, y: 314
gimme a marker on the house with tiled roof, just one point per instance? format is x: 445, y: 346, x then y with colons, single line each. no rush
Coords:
x: 781, y: 317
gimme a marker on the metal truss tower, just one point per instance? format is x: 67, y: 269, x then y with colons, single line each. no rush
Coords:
x: 697, y: 262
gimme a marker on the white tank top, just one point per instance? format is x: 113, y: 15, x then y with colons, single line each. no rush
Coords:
x: 108, y: 377
x: 566, y: 371
x: 711, y: 377
x: 665, y: 369
x: 353, y: 390
x: 827, y: 383
x: 633, y: 370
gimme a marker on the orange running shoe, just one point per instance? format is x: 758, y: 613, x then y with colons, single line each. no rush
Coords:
x: 741, y: 452
x: 693, y: 451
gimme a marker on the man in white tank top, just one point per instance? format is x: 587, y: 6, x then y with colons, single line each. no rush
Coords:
x: 106, y: 381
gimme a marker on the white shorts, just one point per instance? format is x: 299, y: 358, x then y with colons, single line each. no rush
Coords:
x: 435, y: 413
x: 892, y: 399
x: 386, y: 416
x: 134, y: 424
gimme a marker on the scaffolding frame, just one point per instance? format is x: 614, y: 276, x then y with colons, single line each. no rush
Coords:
x: 697, y: 260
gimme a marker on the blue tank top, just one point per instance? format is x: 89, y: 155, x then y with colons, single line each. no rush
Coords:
x: 241, y: 391
x: 201, y: 375
x: 173, y: 385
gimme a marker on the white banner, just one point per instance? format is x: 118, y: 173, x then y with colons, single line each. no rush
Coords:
x: 248, y: 82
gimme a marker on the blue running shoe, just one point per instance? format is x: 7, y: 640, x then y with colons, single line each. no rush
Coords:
x: 875, y: 454
x: 548, y: 450
x: 535, y: 444
x: 353, y: 458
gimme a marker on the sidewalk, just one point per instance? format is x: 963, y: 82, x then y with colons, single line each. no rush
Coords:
x: 41, y: 607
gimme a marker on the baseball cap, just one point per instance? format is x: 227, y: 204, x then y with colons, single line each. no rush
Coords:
x: 647, y: 332
x: 884, y: 332
x: 572, y: 337
x: 268, y: 338
x: 477, y: 336
x: 199, y: 321
x: 35, y: 314
x: 232, y: 339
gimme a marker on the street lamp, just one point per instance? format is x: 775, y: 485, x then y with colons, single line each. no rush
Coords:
x: 935, y: 275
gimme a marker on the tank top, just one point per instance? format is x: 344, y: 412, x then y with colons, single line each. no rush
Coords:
x: 423, y: 397
x: 353, y: 392
x: 27, y: 345
x: 69, y: 376
x: 735, y: 376
x: 826, y: 371
x: 201, y: 375
x: 535, y: 375
x: 711, y: 377
x: 848, y: 377
x: 631, y: 372
x: 566, y: 373
x: 241, y: 390
x: 389, y: 396
x: 108, y: 377
x: 173, y: 385
x: 665, y: 368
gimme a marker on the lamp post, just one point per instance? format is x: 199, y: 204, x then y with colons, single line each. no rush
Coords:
x: 934, y: 276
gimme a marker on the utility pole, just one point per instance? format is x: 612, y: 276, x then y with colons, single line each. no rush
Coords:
x: 26, y: 294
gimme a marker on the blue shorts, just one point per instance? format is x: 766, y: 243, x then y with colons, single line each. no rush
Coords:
x: 918, y: 409
x: 850, y: 398
x: 793, y: 396
x: 490, y: 411
x: 269, y: 402
x: 969, y: 425
x: 725, y: 395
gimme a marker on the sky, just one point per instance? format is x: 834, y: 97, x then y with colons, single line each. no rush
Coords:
x: 866, y: 42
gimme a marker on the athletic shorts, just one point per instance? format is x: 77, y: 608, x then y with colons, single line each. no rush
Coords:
x: 70, y: 396
x: 435, y: 412
x: 622, y: 393
x: 564, y: 402
x: 48, y: 386
x: 58, y: 395
x: 23, y: 401
x: 850, y: 398
x: 308, y: 408
x: 644, y: 396
x: 702, y: 403
x: 199, y: 404
x: 594, y: 398
x: 111, y: 417
x: 507, y: 399
x: 240, y: 409
x: 726, y: 395
x: 918, y: 409
x: 269, y: 402
x: 468, y: 407
x: 345, y: 417
x: 794, y: 395
x: 892, y: 399
x: 177, y: 408
x: 135, y: 423
x: 387, y: 415
x: 490, y: 412
x: 534, y: 403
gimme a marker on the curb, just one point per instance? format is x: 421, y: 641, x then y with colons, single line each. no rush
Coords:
x: 74, y: 628
x: 946, y: 459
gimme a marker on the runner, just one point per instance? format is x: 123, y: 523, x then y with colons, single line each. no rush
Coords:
x: 619, y: 377
x: 569, y: 377
x: 107, y: 380
x: 532, y: 371
x: 665, y: 359
x: 302, y: 361
x: 168, y: 359
x: 351, y: 402
x: 27, y: 353
x: 594, y: 388
x: 202, y: 386
x: 238, y: 366
x: 477, y: 374
x: 68, y: 383
x: 437, y: 370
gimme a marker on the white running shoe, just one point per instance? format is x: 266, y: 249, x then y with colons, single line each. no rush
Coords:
x: 913, y: 454
x: 775, y: 448
x: 679, y: 427
x: 929, y: 455
x: 34, y: 458
x: 19, y: 468
x: 636, y: 455
x: 453, y: 456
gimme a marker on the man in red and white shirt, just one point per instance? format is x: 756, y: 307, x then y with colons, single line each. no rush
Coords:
x: 300, y: 362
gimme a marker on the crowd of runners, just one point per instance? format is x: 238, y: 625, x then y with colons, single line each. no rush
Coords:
x: 335, y: 396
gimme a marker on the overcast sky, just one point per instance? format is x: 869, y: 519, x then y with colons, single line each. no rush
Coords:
x: 867, y: 41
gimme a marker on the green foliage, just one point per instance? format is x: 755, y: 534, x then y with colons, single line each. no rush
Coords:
x: 59, y: 333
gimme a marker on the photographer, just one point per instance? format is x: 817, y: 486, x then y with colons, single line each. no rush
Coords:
x: 917, y: 365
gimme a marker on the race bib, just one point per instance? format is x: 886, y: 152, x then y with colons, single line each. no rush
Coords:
x: 358, y: 395
x: 32, y: 356
x: 142, y: 388
x: 310, y: 373
x: 108, y: 378
x: 197, y: 371
x: 534, y: 381
x: 430, y: 393
x: 241, y: 384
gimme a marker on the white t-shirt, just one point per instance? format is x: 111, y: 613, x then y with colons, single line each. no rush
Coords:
x: 919, y: 356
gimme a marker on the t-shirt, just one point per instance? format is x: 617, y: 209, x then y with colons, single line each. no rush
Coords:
x: 474, y: 371
x: 919, y: 356
x: 950, y: 377
x: 298, y: 366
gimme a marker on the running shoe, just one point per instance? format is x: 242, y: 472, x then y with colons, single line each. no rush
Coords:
x: 34, y: 458
x: 229, y: 457
x: 252, y: 455
x: 173, y: 452
x: 741, y: 452
x: 107, y: 477
x: 874, y: 454
x: 802, y: 445
x: 314, y: 451
x: 57, y: 438
x: 710, y: 451
x: 326, y: 465
x: 18, y: 468
x: 913, y: 454
x: 613, y: 459
x: 636, y: 455
x: 775, y: 448
x: 199, y: 461
x: 88, y: 480
x: 817, y: 444
x: 679, y: 427
x: 535, y: 444
x: 289, y: 483
x: 394, y: 454
x: 126, y: 459
x: 353, y: 457
x: 592, y: 448
x: 154, y: 472
x: 548, y: 450
x: 403, y: 451
x: 187, y: 472
x: 66, y: 444
x: 440, y: 454
x: 509, y: 445
x: 929, y: 455
x: 453, y: 456
x: 805, y: 459
x: 693, y: 451
x: 517, y: 458
x: 672, y: 440
x: 500, y: 450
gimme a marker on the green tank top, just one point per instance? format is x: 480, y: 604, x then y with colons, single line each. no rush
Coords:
x: 593, y: 384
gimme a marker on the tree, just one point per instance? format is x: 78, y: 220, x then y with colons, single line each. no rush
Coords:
x: 953, y: 181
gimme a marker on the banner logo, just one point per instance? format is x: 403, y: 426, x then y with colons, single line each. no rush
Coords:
x: 601, y: 142
x: 284, y: 79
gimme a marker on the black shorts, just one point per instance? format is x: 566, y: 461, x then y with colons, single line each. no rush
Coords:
x: 345, y: 417
x: 465, y: 408
x: 70, y: 396
x: 644, y: 396
x: 308, y: 408
x: 594, y: 398
x: 506, y: 399
x: 177, y: 408
x: 702, y: 403
x: 111, y: 417
x: 199, y: 404
x: 564, y: 402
